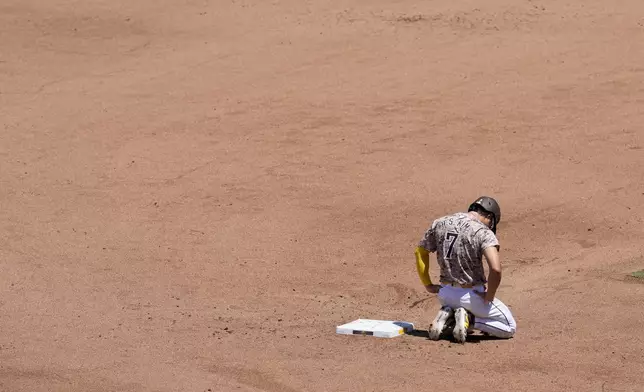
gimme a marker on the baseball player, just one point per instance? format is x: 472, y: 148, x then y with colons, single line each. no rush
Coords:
x: 460, y: 241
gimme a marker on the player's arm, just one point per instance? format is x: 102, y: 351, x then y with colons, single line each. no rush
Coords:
x: 422, y: 266
x: 426, y: 245
x: 491, y: 254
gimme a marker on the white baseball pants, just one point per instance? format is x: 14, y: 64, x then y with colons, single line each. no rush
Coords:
x: 494, y: 318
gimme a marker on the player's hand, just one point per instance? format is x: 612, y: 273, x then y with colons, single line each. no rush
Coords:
x: 433, y: 288
x: 485, y: 296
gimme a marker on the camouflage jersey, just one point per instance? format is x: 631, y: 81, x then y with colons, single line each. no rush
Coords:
x: 459, y: 241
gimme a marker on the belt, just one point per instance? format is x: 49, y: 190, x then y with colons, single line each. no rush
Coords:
x: 453, y: 284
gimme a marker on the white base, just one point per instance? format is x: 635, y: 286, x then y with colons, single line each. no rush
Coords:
x: 377, y: 328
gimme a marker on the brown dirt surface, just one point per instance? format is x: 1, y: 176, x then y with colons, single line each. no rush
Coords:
x: 195, y: 193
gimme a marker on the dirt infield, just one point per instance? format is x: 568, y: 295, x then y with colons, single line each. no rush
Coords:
x: 193, y: 194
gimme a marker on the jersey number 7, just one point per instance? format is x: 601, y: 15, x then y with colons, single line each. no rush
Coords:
x: 450, y: 238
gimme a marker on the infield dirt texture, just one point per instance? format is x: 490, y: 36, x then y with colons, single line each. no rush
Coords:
x: 194, y: 194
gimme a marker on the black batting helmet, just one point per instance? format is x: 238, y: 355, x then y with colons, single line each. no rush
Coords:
x: 490, y: 205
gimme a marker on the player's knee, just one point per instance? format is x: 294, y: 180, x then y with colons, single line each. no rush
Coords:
x: 513, y: 327
x: 505, y: 334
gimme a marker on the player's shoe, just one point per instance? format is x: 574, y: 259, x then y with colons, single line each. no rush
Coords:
x: 440, y: 322
x: 462, y: 319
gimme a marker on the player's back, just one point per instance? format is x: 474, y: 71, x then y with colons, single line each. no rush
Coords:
x: 459, y: 243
